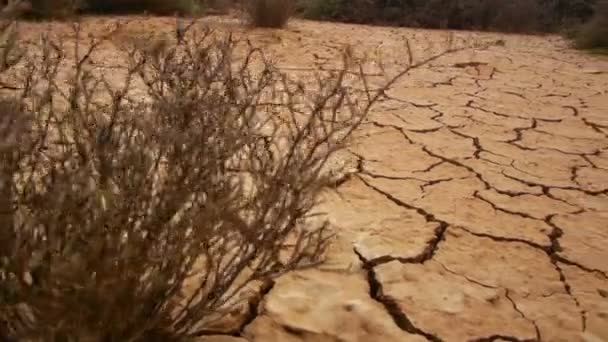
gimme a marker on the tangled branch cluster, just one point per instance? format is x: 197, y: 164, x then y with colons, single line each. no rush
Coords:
x: 139, y: 210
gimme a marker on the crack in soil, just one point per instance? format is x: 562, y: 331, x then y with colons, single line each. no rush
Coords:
x: 487, y: 185
x: 501, y: 338
x: 506, y: 211
x: 572, y: 108
x: 552, y: 250
x: 596, y: 127
x: 581, y: 267
x: 546, y: 188
x: 506, y: 239
x: 466, y: 277
x: 390, y: 305
x: 399, y: 129
x: 428, y: 253
x: 431, y: 247
x: 254, y: 307
x: 470, y: 104
x: 591, y: 163
x: 568, y: 289
x: 519, y: 131
x: 438, y: 181
x: 253, y: 311
x: 538, y: 336
x: 431, y: 167
x: 476, y: 143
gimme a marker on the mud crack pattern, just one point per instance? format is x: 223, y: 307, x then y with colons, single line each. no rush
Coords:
x: 476, y: 209
x: 477, y: 203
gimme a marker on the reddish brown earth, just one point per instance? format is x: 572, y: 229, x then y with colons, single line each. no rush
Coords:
x: 477, y: 208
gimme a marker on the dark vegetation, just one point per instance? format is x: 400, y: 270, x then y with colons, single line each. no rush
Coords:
x: 269, y: 13
x: 42, y: 9
x: 594, y: 34
x: 161, y: 7
x: 499, y: 15
x: 584, y: 20
x: 261, y: 13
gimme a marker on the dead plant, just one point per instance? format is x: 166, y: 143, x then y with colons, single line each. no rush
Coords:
x: 140, y: 218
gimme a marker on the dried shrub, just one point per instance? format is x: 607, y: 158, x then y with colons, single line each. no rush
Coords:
x: 122, y: 202
x: 270, y: 13
x: 138, y: 210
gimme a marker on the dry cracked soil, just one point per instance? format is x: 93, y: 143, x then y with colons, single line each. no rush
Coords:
x: 476, y: 208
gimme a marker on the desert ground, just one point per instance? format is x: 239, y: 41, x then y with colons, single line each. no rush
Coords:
x: 476, y: 205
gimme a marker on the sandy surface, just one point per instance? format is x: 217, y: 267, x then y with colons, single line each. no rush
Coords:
x: 478, y: 208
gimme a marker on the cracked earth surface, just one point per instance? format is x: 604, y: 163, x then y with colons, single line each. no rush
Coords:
x: 476, y: 208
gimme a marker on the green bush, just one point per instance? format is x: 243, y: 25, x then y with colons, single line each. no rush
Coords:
x: 594, y: 34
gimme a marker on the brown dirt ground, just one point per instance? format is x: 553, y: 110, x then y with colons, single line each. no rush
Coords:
x: 478, y: 206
